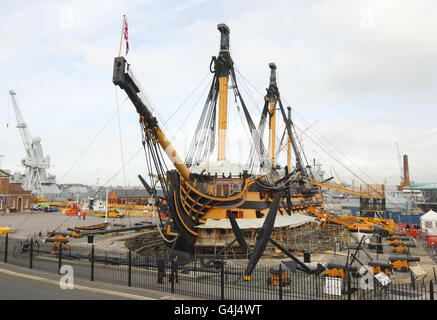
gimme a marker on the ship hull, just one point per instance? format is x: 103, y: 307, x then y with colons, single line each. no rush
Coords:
x: 190, y: 206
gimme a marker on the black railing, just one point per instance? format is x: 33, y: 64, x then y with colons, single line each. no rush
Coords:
x: 200, y: 280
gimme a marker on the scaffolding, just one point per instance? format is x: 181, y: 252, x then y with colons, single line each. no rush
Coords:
x: 311, y: 238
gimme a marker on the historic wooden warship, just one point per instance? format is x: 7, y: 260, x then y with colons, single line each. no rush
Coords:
x: 204, y: 201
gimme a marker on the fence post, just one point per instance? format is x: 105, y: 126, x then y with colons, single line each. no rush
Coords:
x: 222, y: 280
x: 280, y: 281
x: 431, y: 290
x: 6, y: 248
x: 31, y: 253
x: 172, y: 267
x: 413, y: 280
x: 129, y: 280
x: 92, y: 262
x: 60, y: 258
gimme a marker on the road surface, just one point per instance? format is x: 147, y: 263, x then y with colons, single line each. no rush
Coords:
x: 17, y: 283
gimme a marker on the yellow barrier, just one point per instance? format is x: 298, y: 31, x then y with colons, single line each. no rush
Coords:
x: 126, y: 213
x: 128, y: 206
x: 5, y: 230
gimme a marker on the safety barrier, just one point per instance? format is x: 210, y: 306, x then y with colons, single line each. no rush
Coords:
x: 197, y: 279
x: 409, y: 229
x: 431, y: 240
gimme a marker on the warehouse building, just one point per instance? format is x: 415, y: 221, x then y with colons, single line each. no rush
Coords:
x: 13, y: 197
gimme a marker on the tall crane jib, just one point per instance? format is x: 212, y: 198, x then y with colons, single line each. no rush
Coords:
x: 35, y: 163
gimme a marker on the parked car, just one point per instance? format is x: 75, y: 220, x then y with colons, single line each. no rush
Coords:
x: 51, y: 208
x: 40, y: 207
x: 35, y: 207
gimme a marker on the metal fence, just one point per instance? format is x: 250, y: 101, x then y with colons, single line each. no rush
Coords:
x: 198, y: 280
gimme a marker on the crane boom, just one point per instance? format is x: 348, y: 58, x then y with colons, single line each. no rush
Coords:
x: 341, y: 183
x: 35, y: 163
x: 338, y: 188
x: 22, y: 126
x: 349, y: 221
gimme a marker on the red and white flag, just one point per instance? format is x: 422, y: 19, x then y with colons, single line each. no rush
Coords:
x: 125, y: 32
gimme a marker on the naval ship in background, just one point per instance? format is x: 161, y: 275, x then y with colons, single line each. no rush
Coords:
x: 403, y: 199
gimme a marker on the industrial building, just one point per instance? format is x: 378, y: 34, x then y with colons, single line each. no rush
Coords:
x: 13, y: 197
x: 129, y: 196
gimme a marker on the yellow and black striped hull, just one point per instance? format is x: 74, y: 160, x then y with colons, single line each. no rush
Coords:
x: 192, y: 203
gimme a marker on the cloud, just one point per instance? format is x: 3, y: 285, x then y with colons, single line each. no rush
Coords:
x: 365, y: 70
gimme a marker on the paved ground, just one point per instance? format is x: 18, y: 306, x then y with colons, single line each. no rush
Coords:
x: 36, y: 223
x: 19, y: 283
x: 426, y: 264
x: 33, y: 222
x: 24, y: 224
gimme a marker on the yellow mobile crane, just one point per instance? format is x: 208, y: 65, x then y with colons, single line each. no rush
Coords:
x: 372, y: 199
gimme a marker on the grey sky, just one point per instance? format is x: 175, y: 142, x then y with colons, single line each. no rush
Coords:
x: 364, y: 70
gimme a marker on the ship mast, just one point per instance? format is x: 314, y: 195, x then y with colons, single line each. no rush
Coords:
x: 272, y: 100
x: 272, y: 97
x: 223, y: 65
x: 214, y: 117
x: 289, y: 142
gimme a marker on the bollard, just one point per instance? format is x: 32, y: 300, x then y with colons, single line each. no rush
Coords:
x: 349, y: 293
x: 431, y: 290
x: 413, y: 280
x: 6, y: 248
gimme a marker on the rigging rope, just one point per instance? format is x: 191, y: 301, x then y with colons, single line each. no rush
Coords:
x: 148, y: 102
x: 126, y: 163
x: 186, y: 99
x: 261, y: 152
x: 325, y: 141
x: 191, y: 153
x: 90, y: 144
